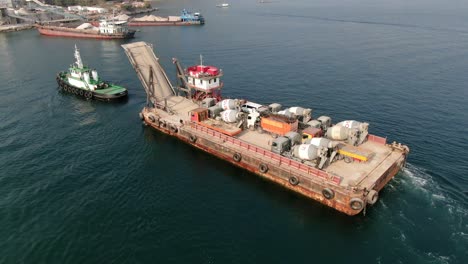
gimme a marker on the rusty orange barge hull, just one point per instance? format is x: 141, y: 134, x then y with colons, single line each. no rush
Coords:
x: 279, y: 169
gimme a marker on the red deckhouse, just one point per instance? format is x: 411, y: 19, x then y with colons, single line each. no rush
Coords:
x: 206, y: 80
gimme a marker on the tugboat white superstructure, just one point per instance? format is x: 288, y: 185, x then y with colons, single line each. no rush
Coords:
x: 85, y: 82
x: 341, y: 166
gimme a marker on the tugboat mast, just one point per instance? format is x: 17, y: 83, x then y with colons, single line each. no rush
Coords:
x: 79, y: 62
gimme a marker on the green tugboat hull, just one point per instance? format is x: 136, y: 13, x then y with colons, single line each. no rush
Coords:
x: 110, y: 93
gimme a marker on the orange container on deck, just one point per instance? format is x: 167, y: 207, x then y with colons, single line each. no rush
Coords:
x: 278, y: 124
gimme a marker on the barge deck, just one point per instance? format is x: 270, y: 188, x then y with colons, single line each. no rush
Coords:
x: 347, y: 185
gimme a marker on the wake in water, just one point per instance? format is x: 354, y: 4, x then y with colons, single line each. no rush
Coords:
x: 422, y: 203
x: 424, y: 182
x: 368, y: 22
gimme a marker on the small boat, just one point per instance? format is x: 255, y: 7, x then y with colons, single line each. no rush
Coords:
x: 85, y: 82
x: 223, y: 5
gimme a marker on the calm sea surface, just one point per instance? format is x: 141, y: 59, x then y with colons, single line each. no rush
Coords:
x: 84, y: 182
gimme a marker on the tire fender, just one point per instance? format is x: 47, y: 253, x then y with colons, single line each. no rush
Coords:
x: 328, y: 193
x: 356, y: 204
x: 237, y: 157
x: 293, y: 180
x: 192, y: 138
x: 372, y: 197
x: 263, y: 167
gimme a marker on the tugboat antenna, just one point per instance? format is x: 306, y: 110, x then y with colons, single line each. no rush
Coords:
x: 201, y: 60
x: 79, y: 63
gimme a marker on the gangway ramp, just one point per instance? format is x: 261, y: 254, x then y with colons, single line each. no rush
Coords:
x: 149, y: 71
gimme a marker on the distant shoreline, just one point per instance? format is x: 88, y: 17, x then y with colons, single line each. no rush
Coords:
x: 12, y: 28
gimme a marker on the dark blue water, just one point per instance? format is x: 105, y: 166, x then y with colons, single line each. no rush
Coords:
x: 84, y: 182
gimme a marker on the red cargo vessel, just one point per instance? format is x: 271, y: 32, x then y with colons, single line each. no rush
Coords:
x: 105, y: 30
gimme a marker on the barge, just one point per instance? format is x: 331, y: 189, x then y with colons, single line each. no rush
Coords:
x: 339, y: 165
x: 85, y: 82
x: 186, y: 18
x: 104, y: 30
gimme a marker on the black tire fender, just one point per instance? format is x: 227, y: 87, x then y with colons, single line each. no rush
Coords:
x: 81, y: 92
x: 192, y: 138
x: 152, y: 118
x: 356, y: 204
x: 89, y: 94
x: 263, y: 167
x: 141, y: 116
x: 293, y: 180
x: 372, y: 197
x: 173, y: 128
x: 237, y: 157
x: 328, y: 193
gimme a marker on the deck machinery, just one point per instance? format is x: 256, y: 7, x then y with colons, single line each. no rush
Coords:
x: 339, y: 165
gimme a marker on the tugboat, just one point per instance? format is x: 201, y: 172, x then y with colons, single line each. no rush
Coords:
x: 85, y: 82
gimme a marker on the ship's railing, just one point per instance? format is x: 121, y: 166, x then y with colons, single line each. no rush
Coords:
x: 294, y: 165
x: 377, y: 139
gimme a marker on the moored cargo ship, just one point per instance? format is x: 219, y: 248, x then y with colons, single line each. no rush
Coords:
x: 105, y: 30
x: 185, y: 19
x: 339, y: 165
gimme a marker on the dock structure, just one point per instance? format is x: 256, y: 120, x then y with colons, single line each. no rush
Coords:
x: 349, y: 184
